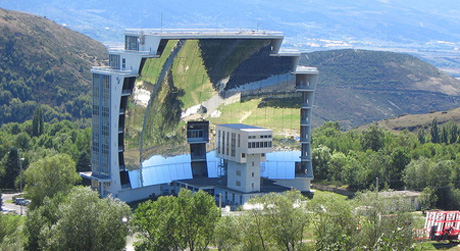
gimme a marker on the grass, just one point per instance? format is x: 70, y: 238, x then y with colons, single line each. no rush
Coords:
x: 283, y: 121
x: 189, y: 74
x: 328, y: 195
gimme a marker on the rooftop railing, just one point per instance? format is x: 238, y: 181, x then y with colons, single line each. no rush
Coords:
x: 203, y: 32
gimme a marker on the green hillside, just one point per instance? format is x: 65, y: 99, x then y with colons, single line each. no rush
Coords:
x: 357, y: 87
x: 42, y: 62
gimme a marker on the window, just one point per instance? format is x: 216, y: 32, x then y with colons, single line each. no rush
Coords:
x: 253, y: 163
x: 131, y: 43
x: 252, y: 174
x: 238, y: 173
x: 243, y: 155
x: 114, y: 61
x: 239, y: 139
x: 238, y: 184
x: 252, y: 185
x: 249, y: 145
x: 233, y: 146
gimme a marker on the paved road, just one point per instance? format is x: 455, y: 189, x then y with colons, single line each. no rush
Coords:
x: 11, y: 206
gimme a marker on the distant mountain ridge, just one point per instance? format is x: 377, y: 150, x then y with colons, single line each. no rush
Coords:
x: 42, y: 62
x: 357, y: 87
x: 381, y: 22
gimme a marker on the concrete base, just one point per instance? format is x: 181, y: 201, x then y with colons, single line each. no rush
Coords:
x: 131, y: 195
x: 300, y: 183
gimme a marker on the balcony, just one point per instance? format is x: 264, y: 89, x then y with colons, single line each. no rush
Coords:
x: 126, y: 92
x: 304, y: 140
x: 305, y: 121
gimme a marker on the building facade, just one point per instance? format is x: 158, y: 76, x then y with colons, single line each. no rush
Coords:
x: 161, y: 83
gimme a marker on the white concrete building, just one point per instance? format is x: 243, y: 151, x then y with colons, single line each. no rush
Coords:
x: 243, y: 147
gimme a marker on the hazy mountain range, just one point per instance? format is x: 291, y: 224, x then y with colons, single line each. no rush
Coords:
x: 306, y: 23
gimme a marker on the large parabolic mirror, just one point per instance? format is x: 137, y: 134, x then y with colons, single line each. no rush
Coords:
x: 190, y: 81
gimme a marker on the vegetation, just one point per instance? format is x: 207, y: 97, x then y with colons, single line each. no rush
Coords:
x: 397, y: 160
x: 172, y: 223
x: 48, y: 176
x: 37, y: 67
x: 63, y: 141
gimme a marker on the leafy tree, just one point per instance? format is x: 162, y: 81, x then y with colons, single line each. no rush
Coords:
x: 227, y: 233
x: 434, y: 131
x: 11, y: 168
x: 10, y: 233
x: 336, y: 164
x: 157, y: 223
x: 415, y: 175
x: 187, y: 221
x: 372, y: 138
x: 48, y: 176
x: 428, y: 198
x: 23, y: 141
x: 38, y: 124
x: 84, y: 162
x: 100, y: 224
x: 284, y: 219
x: 198, y: 218
x: 39, y: 222
x: 399, y: 159
x: 320, y: 158
x: 421, y: 136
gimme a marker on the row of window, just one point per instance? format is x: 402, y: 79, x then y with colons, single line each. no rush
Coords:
x: 260, y: 136
x: 264, y: 144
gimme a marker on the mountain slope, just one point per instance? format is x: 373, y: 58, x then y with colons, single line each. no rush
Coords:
x: 357, y: 87
x: 42, y: 62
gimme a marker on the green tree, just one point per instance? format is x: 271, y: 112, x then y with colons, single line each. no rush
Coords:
x: 399, y: 159
x: 373, y: 138
x: 415, y: 175
x: 285, y: 218
x: 100, y: 224
x: 48, y: 176
x: 39, y: 222
x: 336, y: 164
x: 320, y: 158
x: 198, y: 217
x: 38, y: 124
x: 187, y: 221
x: 11, y: 168
x: 428, y: 198
x: 434, y: 131
x: 83, y: 162
x: 158, y: 225
x: 421, y: 136
x: 10, y: 233
x: 227, y: 233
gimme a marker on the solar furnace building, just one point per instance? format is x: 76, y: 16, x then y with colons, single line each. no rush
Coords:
x: 154, y: 104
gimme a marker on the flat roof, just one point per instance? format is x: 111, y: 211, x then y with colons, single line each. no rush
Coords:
x: 205, y: 33
x: 244, y: 127
x: 266, y: 186
x: 306, y: 70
